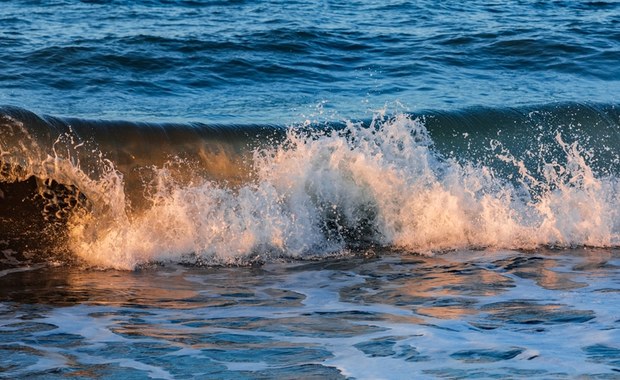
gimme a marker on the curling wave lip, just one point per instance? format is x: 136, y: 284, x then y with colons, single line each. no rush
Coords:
x: 121, y: 194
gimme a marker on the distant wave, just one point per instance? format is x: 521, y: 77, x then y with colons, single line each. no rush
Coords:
x: 120, y: 194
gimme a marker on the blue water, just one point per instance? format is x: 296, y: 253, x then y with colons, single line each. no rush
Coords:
x: 268, y: 61
x: 200, y: 205
x: 467, y: 315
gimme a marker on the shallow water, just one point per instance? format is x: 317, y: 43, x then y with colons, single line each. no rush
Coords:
x: 209, y: 132
x: 464, y: 314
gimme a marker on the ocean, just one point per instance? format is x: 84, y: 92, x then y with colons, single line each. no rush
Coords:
x: 319, y: 189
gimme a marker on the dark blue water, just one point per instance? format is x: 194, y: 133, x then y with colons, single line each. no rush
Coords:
x: 268, y: 61
x: 200, y: 205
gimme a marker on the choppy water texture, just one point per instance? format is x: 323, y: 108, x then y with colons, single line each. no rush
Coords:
x: 268, y: 61
x: 313, y: 189
x: 465, y: 314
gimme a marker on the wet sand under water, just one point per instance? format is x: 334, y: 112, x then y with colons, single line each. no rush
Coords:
x: 462, y: 314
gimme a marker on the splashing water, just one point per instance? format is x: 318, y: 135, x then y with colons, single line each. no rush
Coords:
x: 327, y: 192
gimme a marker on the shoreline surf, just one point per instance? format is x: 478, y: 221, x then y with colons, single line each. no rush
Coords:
x: 120, y: 194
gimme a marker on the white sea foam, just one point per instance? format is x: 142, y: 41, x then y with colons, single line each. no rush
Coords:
x: 385, y: 185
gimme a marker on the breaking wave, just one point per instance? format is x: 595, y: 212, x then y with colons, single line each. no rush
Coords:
x: 122, y: 194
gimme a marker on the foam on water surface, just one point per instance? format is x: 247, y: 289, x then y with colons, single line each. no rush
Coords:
x: 235, y: 207
x: 312, y: 191
x: 455, y: 315
x: 387, y: 186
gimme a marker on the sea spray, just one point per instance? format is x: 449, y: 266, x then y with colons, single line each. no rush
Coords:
x: 362, y: 186
x: 123, y: 194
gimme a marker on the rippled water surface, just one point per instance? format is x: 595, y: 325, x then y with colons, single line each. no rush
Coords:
x: 514, y: 152
x: 542, y: 314
x: 268, y: 61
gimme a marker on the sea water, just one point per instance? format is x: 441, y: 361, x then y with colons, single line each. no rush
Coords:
x: 466, y: 314
x: 235, y: 189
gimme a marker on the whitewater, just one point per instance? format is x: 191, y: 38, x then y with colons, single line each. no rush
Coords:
x: 235, y: 195
x: 206, y: 189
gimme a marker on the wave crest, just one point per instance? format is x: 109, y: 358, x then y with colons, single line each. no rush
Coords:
x: 313, y: 192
